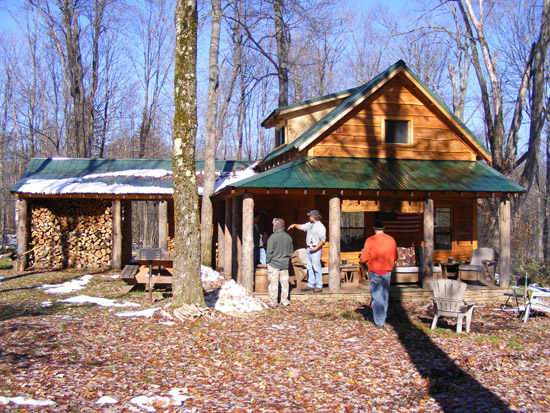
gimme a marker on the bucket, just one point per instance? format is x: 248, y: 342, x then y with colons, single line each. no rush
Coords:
x: 261, y: 281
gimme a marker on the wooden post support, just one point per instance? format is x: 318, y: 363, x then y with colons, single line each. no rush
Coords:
x: 221, y: 237
x: 228, y: 242
x: 236, y: 223
x: 248, y: 243
x: 22, y: 218
x: 504, y: 223
x: 127, y: 232
x: 334, y: 244
x: 163, y: 225
x: 427, y: 268
x: 116, y: 257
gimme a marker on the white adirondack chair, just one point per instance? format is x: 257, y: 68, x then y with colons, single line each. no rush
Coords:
x: 449, y: 302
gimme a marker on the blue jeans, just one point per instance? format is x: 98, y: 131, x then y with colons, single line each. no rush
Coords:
x: 314, y: 275
x: 259, y: 256
x: 380, y: 292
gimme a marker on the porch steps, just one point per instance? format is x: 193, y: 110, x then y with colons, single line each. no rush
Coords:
x: 474, y: 293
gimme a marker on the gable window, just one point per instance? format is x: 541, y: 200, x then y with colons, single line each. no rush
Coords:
x: 443, y: 239
x: 397, y: 131
x: 352, y: 231
x: 280, y: 137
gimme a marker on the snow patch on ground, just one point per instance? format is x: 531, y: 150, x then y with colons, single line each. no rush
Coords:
x: 167, y: 323
x: 151, y: 403
x: 233, y: 298
x: 211, y: 279
x: 22, y: 401
x: 104, y: 302
x: 148, y: 312
x: 106, y: 400
x: 115, y: 276
x: 229, y: 178
x: 46, y: 304
x: 68, y: 286
x: 210, y: 275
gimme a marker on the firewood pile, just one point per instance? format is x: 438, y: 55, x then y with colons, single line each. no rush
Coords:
x: 71, y: 233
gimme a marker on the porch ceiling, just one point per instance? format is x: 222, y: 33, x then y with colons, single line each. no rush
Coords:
x: 383, y: 174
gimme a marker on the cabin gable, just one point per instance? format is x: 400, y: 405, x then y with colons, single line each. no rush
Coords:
x: 398, y: 106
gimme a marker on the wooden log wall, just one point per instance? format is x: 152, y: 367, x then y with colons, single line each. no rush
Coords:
x: 70, y: 233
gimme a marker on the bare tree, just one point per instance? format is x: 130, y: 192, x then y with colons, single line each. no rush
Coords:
x: 210, y: 139
x: 187, y: 285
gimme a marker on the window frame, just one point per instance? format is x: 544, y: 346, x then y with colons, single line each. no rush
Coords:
x: 400, y: 119
x: 449, y: 229
x: 279, y: 130
x: 363, y: 228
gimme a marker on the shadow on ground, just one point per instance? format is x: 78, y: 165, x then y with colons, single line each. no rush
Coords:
x: 451, y: 387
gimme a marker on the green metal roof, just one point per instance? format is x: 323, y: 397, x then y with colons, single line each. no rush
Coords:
x: 383, y: 174
x: 311, y: 101
x: 353, y: 99
x: 120, y: 176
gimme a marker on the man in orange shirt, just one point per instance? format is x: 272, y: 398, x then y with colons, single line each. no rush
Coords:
x: 380, y: 254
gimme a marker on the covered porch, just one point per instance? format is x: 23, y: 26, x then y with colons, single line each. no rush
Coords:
x: 436, y: 201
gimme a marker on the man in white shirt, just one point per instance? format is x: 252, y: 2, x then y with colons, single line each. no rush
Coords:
x: 316, y: 236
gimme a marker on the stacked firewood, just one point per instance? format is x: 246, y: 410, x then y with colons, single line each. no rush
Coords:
x: 170, y: 242
x: 71, y: 233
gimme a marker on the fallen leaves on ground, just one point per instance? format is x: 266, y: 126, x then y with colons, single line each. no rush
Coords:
x: 311, y: 356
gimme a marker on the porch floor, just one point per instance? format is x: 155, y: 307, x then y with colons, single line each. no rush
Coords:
x: 401, y: 292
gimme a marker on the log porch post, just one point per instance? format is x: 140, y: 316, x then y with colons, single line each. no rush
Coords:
x: 163, y: 225
x: 504, y: 222
x: 334, y: 244
x: 236, y: 224
x: 116, y: 252
x: 228, y: 239
x: 248, y: 243
x: 427, y: 267
x: 127, y: 232
x: 21, y: 208
x: 220, y: 256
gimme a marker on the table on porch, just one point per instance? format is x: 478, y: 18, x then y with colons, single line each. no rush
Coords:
x: 349, y: 274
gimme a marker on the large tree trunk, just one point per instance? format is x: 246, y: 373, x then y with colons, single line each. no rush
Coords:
x: 76, y: 77
x: 546, y: 219
x: 210, y: 138
x: 537, y: 100
x: 187, y: 287
x: 283, y: 42
x: 504, y: 224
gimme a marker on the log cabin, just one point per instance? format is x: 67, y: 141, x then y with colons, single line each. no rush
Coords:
x: 389, y: 149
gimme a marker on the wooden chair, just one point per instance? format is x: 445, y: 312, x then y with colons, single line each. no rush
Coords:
x: 448, y: 302
x: 481, y: 267
x: 299, y: 264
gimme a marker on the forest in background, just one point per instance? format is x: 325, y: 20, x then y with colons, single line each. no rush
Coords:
x: 94, y: 78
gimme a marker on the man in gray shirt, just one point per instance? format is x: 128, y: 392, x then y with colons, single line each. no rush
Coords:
x: 316, y: 236
x: 279, y: 251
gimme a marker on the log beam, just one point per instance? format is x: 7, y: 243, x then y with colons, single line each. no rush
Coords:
x: 504, y: 224
x: 334, y: 244
x: 427, y: 269
x: 248, y: 243
x: 220, y: 223
x: 22, y: 233
x: 236, y: 224
x: 228, y: 239
x: 116, y: 254
x: 127, y: 232
x: 163, y: 224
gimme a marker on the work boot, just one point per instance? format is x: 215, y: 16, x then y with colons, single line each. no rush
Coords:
x: 317, y: 290
x: 307, y: 289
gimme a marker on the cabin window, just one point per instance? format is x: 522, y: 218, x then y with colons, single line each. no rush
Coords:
x: 352, y: 231
x: 442, y: 229
x: 397, y: 131
x: 280, y: 137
